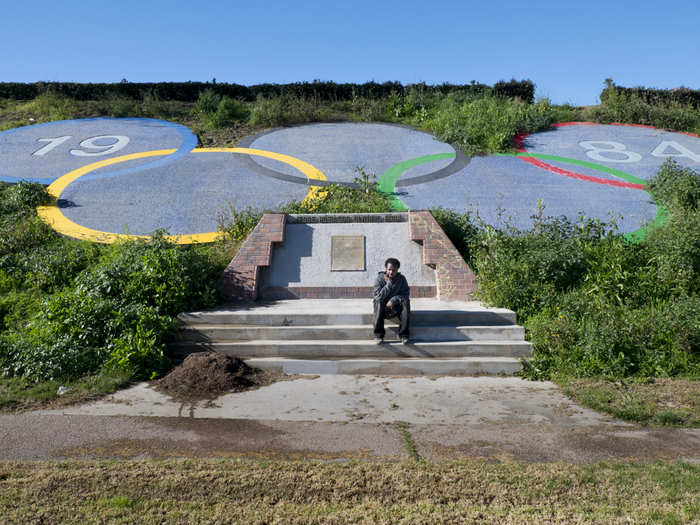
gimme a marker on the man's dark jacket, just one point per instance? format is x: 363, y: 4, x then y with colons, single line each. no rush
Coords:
x: 396, y: 291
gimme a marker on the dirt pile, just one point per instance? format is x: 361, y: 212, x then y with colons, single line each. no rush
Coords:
x: 208, y: 375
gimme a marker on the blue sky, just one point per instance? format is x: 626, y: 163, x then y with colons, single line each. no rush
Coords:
x: 566, y: 48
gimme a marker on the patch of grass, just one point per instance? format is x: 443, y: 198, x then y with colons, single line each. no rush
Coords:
x: 655, y: 402
x: 402, y: 427
x: 17, y: 394
x: 243, y: 491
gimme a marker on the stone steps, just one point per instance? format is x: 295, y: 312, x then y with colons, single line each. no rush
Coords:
x: 216, y: 333
x: 472, y: 366
x: 315, y: 336
x: 334, y: 349
x: 491, y: 317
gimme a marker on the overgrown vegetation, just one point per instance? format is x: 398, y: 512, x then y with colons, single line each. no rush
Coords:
x: 70, y: 309
x: 669, y: 109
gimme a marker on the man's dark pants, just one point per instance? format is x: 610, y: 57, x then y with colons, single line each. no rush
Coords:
x: 400, y: 310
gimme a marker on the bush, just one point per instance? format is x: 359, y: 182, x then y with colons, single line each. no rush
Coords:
x: 581, y: 339
x: 464, y: 233
x: 528, y: 270
x: 285, y: 110
x: 229, y: 111
x: 635, y: 107
x: 237, y: 224
x: 119, y: 313
x: 336, y: 198
x: 22, y: 197
x: 487, y: 123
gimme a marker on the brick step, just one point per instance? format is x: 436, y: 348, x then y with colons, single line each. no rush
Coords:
x: 217, y: 333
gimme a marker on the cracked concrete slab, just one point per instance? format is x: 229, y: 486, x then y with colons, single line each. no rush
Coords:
x: 335, y: 418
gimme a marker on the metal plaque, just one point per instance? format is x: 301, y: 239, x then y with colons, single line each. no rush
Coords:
x: 347, y: 253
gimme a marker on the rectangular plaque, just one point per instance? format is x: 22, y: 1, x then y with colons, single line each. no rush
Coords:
x: 347, y: 253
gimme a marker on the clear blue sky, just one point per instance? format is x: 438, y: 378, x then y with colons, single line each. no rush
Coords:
x: 566, y: 48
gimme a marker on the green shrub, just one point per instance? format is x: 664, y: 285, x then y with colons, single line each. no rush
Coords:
x: 464, y: 233
x: 676, y: 245
x: 121, y: 107
x: 119, y: 313
x: 22, y: 197
x: 485, y: 124
x: 237, y: 224
x: 229, y: 111
x: 583, y: 338
x: 629, y: 106
x: 337, y: 198
x: 52, y: 106
x: 528, y: 270
x: 154, y: 106
x: 285, y: 110
x: 677, y: 187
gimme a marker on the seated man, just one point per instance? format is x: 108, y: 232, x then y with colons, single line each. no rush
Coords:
x: 391, y: 299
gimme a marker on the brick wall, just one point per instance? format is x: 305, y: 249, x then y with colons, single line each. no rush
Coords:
x: 455, y: 280
x: 239, y: 280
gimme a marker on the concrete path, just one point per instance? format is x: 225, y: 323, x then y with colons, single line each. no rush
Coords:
x: 336, y: 417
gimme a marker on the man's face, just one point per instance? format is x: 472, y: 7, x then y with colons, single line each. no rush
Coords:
x: 391, y: 270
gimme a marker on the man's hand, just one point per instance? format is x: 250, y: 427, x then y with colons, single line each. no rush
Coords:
x: 387, y: 277
x: 389, y: 304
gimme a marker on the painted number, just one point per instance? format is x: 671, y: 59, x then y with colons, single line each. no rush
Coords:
x: 52, y: 143
x: 609, y: 151
x: 119, y: 142
x: 113, y: 144
x: 681, y: 151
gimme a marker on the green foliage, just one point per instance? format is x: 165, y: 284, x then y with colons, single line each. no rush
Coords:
x: 216, y: 111
x: 677, y: 187
x: 22, y: 197
x: 154, y: 106
x: 462, y: 231
x: 118, y: 313
x: 682, y: 95
x: 55, y: 107
x: 285, y: 110
x: 229, y: 111
x: 484, y: 124
x: 636, y: 107
x: 364, y: 197
x: 207, y: 103
x: 237, y: 224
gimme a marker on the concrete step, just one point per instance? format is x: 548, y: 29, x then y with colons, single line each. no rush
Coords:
x: 497, y: 317
x: 403, y: 366
x: 335, y: 349
x: 218, y: 333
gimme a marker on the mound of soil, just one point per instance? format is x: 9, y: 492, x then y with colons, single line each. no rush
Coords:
x: 208, y: 375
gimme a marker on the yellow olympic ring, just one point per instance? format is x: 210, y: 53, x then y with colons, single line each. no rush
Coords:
x: 53, y: 216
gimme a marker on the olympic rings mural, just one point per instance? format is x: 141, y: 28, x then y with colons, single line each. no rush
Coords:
x: 410, y: 164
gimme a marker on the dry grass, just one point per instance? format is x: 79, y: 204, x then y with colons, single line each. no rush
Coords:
x: 657, y: 402
x: 230, y: 491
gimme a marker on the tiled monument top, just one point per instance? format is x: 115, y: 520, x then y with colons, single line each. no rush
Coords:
x: 288, y: 256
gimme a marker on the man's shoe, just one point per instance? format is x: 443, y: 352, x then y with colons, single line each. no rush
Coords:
x: 378, y: 340
x: 404, y: 340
